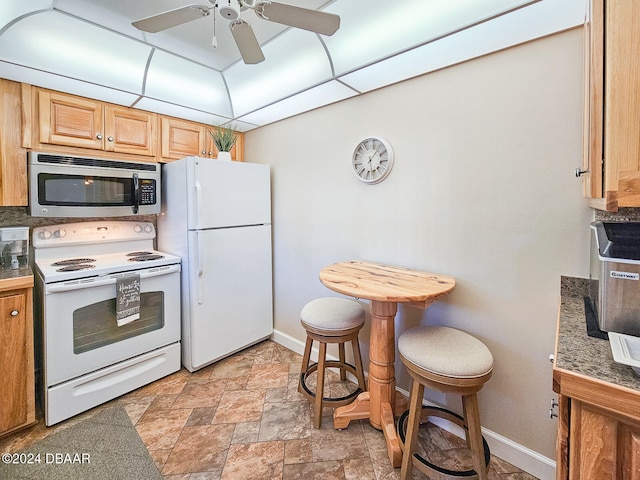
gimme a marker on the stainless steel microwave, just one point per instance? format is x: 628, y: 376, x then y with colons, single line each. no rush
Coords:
x: 70, y: 186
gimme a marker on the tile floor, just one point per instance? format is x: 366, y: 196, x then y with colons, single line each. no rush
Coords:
x: 242, y: 418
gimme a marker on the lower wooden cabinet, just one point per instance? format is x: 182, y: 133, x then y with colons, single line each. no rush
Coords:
x: 601, y: 444
x: 17, y: 395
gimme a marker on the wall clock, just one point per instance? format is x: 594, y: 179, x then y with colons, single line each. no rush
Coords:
x: 372, y: 160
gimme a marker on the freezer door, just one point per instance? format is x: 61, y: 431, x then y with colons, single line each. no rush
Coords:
x: 230, y: 292
x: 227, y: 194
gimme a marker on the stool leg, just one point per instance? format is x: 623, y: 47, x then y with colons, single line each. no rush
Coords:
x: 472, y: 419
x: 413, y: 425
x: 305, y: 359
x: 343, y: 359
x: 357, y: 357
x: 317, y: 421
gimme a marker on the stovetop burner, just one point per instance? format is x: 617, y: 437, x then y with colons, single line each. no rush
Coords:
x: 72, y: 261
x: 75, y: 267
x: 146, y: 257
x: 138, y: 254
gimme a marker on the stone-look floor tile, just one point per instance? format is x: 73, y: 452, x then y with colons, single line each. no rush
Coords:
x: 298, y: 451
x: 200, y: 448
x: 237, y: 383
x: 285, y: 421
x: 206, y: 394
x: 268, y: 376
x: 136, y: 405
x: 246, y: 432
x: 232, y: 367
x: 276, y: 395
x: 254, y: 461
x: 162, y: 401
x: 358, y: 469
x: 314, y: 471
x: 227, y: 423
x: 160, y: 429
x: 328, y: 443
x: 238, y: 406
x: 201, y: 416
x: 160, y: 457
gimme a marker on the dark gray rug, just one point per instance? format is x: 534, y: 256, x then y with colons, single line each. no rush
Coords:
x: 105, y: 446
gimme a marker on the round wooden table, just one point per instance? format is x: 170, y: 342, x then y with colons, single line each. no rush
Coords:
x: 385, y: 286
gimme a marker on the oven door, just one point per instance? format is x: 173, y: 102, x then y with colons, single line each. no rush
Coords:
x: 80, y: 327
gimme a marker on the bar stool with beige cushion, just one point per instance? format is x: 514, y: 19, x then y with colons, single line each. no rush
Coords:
x: 450, y: 361
x: 331, y: 320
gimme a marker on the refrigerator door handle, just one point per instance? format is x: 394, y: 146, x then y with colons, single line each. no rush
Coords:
x: 198, y: 200
x: 200, y: 264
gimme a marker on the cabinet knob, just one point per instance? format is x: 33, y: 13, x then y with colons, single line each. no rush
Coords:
x: 14, y: 313
x: 579, y: 172
x: 110, y: 139
x: 99, y: 137
x: 204, y: 152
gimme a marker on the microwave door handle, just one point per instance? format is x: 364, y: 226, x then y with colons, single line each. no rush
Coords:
x: 136, y: 193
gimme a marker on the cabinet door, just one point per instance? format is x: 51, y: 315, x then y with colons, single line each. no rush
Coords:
x: 622, y: 100
x: 594, y: 97
x: 69, y: 120
x: 130, y: 131
x: 603, y: 446
x: 14, y: 362
x: 13, y: 168
x: 181, y: 138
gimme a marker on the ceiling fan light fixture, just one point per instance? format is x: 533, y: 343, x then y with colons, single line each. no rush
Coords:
x: 229, y: 9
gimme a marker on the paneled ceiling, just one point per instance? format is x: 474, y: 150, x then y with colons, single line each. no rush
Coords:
x: 90, y: 48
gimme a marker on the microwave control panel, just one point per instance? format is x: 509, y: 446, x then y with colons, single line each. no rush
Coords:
x: 147, y: 191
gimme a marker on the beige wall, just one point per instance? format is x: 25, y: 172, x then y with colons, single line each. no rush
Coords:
x: 482, y: 189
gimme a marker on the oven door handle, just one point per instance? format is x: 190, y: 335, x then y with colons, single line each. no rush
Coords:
x: 80, y: 284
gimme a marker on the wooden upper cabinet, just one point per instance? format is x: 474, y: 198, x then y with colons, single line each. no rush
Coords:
x: 612, y: 105
x: 181, y: 138
x: 130, y: 131
x: 79, y: 122
x: 13, y: 163
x: 69, y: 120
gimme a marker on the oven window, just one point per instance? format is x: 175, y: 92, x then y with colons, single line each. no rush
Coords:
x: 95, y: 326
x: 79, y: 190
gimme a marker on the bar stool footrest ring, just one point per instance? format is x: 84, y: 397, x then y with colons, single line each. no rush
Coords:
x: 330, y: 401
x: 452, y: 417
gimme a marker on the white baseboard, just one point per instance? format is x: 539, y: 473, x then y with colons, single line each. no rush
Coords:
x: 522, y: 457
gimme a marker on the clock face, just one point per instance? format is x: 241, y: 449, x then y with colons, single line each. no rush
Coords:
x: 372, y: 160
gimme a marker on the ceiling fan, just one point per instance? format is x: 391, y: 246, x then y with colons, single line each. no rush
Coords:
x: 307, y: 19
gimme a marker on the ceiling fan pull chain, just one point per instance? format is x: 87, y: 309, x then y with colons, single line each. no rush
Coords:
x: 214, y: 40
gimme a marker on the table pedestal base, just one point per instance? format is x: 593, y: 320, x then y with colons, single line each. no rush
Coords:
x: 360, y: 408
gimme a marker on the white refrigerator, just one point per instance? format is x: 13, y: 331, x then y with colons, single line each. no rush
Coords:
x: 216, y: 215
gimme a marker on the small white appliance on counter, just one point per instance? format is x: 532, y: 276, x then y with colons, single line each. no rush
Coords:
x: 216, y: 215
x: 107, y: 313
x: 14, y: 247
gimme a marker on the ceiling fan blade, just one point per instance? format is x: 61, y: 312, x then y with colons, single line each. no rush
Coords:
x: 172, y: 18
x: 246, y: 42
x: 312, y: 20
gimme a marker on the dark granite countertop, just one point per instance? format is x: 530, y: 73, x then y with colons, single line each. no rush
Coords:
x: 579, y: 353
x: 11, y: 278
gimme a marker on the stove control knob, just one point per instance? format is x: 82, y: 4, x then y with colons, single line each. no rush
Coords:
x: 60, y: 233
x: 44, y: 235
x: 148, y: 229
x: 137, y: 229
